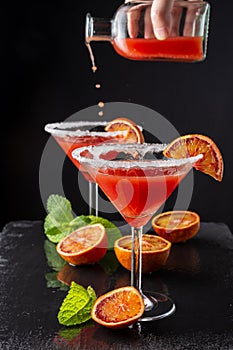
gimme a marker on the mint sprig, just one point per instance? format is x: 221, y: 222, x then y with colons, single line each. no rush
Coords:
x: 77, y: 305
x: 60, y: 221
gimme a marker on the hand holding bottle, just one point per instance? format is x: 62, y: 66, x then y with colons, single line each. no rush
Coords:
x: 137, y: 25
x: 161, y: 19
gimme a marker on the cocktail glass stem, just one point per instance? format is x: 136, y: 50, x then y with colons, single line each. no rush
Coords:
x: 157, y: 306
x: 136, y: 260
x: 136, y: 265
x: 93, y: 198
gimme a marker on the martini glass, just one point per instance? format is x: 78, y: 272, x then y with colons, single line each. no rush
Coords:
x: 137, y: 179
x: 74, y: 134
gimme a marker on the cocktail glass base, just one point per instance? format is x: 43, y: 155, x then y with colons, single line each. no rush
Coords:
x: 157, y: 306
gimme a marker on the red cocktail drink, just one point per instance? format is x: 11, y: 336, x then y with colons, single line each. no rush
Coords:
x: 137, y: 181
x: 72, y: 135
x: 138, y: 193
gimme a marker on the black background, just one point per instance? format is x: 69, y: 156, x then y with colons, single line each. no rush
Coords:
x: 46, y: 77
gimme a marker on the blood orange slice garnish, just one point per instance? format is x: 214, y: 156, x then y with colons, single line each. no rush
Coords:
x: 134, y: 134
x: 86, y: 245
x: 176, y: 226
x: 194, y: 144
x: 118, y: 308
x: 155, y: 251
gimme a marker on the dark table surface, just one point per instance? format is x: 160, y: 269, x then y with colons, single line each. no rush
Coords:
x: 198, y: 277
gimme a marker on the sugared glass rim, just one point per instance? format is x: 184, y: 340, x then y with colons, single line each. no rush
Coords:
x: 144, y: 148
x: 61, y: 129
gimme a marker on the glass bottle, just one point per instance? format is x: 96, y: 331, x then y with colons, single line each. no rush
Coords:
x: 131, y: 33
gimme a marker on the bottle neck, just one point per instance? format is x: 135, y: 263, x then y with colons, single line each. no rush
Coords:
x: 98, y: 29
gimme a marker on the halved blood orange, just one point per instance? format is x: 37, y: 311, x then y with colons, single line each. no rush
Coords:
x: 134, y: 134
x: 86, y: 245
x: 155, y: 251
x: 118, y: 308
x: 194, y: 144
x: 176, y: 226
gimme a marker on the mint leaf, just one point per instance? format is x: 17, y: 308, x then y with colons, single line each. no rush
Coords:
x: 70, y: 313
x: 55, y: 234
x: 56, y: 230
x: 60, y: 208
x: 80, y: 221
x: 84, y: 313
x: 50, y: 222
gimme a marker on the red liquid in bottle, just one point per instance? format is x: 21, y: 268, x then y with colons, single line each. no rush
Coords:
x: 181, y: 48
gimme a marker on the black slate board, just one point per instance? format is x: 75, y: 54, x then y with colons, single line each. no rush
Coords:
x: 198, y: 277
